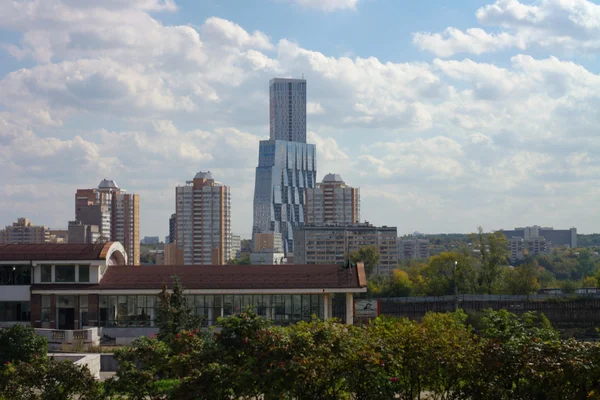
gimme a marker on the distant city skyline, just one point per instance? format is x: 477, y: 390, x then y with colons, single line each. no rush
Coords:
x: 447, y: 115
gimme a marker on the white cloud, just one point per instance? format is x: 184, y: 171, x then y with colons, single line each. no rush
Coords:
x: 314, y: 107
x: 567, y: 26
x: 328, y: 5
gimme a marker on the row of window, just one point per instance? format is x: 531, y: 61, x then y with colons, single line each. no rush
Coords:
x: 15, y: 311
x: 65, y: 273
x: 15, y: 275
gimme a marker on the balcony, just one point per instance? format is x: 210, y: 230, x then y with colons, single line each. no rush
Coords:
x: 89, y: 336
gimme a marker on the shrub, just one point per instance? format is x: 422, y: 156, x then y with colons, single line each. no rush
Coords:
x: 20, y: 343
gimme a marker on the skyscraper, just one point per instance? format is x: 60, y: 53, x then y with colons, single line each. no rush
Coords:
x: 332, y: 202
x: 203, y: 221
x: 115, y: 213
x: 287, y: 165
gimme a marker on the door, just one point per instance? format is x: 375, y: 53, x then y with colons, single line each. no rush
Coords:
x: 66, y: 318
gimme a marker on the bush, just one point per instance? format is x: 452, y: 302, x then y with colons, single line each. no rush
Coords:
x: 20, y: 343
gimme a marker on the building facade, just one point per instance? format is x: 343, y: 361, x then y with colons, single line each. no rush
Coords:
x: 236, y: 247
x: 203, y: 225
x: 558, y: 237
x: 267, y: 242
x: 172, y: 225
x: 332, y: 202
x: 82, y: 233
x: 126, y: 224
x: 413, y: 249
x: 531, y: 246
x: 24, y: 232
x: 286, y: 164
x: 332, y: 244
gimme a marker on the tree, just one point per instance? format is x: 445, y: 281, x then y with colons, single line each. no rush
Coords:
x: 523, y: 279
x: 442, y: 274
x: 20, y: 343
x: 243, y: 260
x: 401, y: 285
x: 174, y: 314
x: 369, y: 255
x: 493, y: 248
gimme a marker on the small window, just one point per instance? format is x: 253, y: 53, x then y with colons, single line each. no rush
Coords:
x: 84, y: 273
x: 46, y: 273
x: 64, y: 273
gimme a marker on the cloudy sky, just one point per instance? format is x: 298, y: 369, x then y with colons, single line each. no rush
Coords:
x: 447, y: 114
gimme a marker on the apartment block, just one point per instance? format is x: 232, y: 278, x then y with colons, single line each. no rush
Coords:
x: 558, y: 237
x: 331, y: 244
x: 82, y: 233
x: 115, y: 212
x: 203, y: 221
x: 24, y: 232
x: 172, y: 224
x: 413, y: 249
x: 267, y: 242
x: 535, y: 245
x: 332, y: 202
x: 236, y: 247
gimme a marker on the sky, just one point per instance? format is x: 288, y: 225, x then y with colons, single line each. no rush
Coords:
x: 448, y: 115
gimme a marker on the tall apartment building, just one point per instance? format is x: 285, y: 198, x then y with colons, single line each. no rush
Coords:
x: 558, y: 237
x: 83, y: 233
x: 413, y: 249
x: 332, y: 244
x: 172, y: 224
x: 332, y: 202
x: 24, y: 232
x: 236, y: 247
x: 287, y: 165
x: 115, y: 212
x: 203, y: 221
x: 266, y: 242
x: 533, y: 245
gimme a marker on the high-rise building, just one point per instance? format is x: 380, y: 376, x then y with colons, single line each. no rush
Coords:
x: 413, y: 249
x: 287, y: 101
x: 332, y: 202
x: 24, y: 232
x: 83, y: 233
x: 267, y: 242
x: 172, y: 224
x: 115, y: 212
x: 332, y: 244
x: 203, y: 222
x: 287, y: 165
x: 558, y: 237
x: 236, y: 247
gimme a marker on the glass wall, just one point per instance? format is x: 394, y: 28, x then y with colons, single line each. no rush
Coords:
x: 132, y: 311
x: 12, y: 311
x: 15, y: 275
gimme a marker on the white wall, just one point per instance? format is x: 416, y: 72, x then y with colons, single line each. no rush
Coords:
x: 15, y: 293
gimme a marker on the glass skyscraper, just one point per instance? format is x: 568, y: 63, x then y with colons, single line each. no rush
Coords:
x: 287, y: 165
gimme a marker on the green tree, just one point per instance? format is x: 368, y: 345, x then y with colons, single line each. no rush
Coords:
x: 20, y: 343
x: 401, y: 285
x: 174, y: 314
x: 447, y: 270
x: 243, y: 260
x: 369, y: 255
x: 493, y: 248
x: 523, y: 279
x: 585, y: 264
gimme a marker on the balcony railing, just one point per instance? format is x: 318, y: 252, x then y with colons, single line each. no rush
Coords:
x: 62, y: 336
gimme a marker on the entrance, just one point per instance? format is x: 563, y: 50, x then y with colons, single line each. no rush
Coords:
x: 66, y: 318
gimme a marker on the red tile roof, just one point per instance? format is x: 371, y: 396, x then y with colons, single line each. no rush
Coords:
x: 53, y: 251
x: 223, y: 277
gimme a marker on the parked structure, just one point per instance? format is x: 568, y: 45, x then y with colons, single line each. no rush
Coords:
x: 332, y: 202
x: 332, y: 244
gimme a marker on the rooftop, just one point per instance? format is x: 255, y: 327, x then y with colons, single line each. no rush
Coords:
x: 331, y: 276
x: 203, y: 175
x: 53, y: 251
x: 108, y: 184
x: 333, y: 178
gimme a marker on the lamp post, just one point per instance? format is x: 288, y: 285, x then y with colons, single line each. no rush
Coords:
x: 455, y: 286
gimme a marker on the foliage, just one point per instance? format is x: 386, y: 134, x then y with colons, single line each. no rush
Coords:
x: 174, y: 314
x: 243, y: 260
x: 47, y: 379
x: 493, y: 248
x: 522, y: 279
x: 20, y: 343
x: 369, y: 255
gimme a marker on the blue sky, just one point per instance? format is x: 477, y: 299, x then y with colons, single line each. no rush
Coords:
x: 447, y: 114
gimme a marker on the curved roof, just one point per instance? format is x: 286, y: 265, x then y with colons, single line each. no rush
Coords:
x: 203, y: 175
x: 333, y: 178
x: 56, y: 251
x: 108, y: 184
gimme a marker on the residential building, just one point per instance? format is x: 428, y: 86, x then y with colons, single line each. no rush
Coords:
x: 58, y: 236
x: 203, y: 225
x: 286, y: 164
x: 150, y: 240
x: 558, y: 237
x: 413, y: 249
x: 517, y: 248
x: 24, y: 232
x: 172, y: 225
x: 89, y: 289
x: 533, y: 245
x: 332, y: 244
x: 172, y: 255
x: 267, y: 241
x: 267, y: 258
x: 236, y: 247
x: 82, y: 233
x: 332, y: 202
x: 115, y: 212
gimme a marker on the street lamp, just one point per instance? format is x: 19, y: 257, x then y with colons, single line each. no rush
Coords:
x: 455, y: 286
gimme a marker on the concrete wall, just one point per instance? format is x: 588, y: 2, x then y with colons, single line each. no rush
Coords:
x: 124, y: 336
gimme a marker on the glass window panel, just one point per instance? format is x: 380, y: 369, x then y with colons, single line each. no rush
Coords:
x: 103, y: 300
x: 151, y: 301
x: 46, y: 273
x: 45, y: 315
x: 237, y: 303
x: 64, y: 273
x: 141, y: 301
x: 296, y: 307
x: 199, y: 300
x: 84, y: 273
x: 83, y: 301
x: 45, y: 301
x: 65, y: 302
x: 209, y: 300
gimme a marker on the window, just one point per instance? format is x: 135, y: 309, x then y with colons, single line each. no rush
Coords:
x: 14, y: 311
x: 83, y: 311
x: 84, y: 273
x: 46, y: 273
x: 127, y: 311
x: 15, y: 275
x: 64, y: 273
x: 46, y: 311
